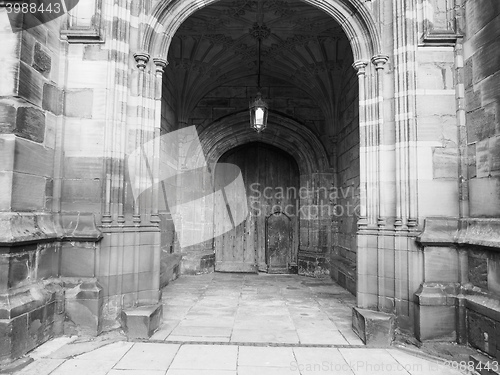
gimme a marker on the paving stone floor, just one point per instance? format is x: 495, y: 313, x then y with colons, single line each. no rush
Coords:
x: 257, y: 308
x: 147, y: 358
x: 229, y: 324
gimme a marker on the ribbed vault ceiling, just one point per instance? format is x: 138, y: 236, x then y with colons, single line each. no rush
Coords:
x: 215, y: 46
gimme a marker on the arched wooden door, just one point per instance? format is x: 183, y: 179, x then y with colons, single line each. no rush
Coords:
x: 279, y: 233
x: 271, y: 179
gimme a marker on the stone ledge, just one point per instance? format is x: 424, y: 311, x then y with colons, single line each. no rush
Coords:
x: 24, y: 300
x: 447, y: 231
x: 436, y: 294
x: 141, y: 322
x: 484, y: 305
x: 21, y: 228
x: 437, y: 306
x: 374, y: 328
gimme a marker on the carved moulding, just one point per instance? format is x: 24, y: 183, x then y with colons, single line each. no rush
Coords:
x: 438, y: 22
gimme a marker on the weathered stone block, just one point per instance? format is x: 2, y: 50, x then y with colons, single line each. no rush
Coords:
x: 494, y: 274
x: 82, y: 168
x: 478, y: 271
x: 482, y: 332
x: 78, y: 103
x: 435, y: 258
x: 48, y: 261
x: 484, y: 197
x: 41, y: 60
x: 495, y: 155
x: 20, y: 267
x: 445, y: 162
x: 28, y: 192
x: 30, y: 84
x: 25, y: 321
x: 84, y: 304
x: 30, y: 123
x: 5, y: 191
x: 142, y: 322
x: 485, y: 62
x: 8, y: 114
x: 83, y: 137
x: 95, y: 52
x: 435, y: 323
x: 480, y: 125
x: 77, y: 260
x: 52, y: 99
x: 33, y: 159
x: 373, y: 327
x: 81, y: 195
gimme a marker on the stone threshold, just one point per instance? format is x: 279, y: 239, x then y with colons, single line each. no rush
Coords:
x: 259, y: 344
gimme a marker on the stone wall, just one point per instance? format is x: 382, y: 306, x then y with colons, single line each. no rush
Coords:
x: 63, y: 128
x: 459, y: 302
x: 437, y: 132
x: 482, y: 103
x: 346, y: 189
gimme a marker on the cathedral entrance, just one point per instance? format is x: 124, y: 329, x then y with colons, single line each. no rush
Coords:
x: 268, y: 239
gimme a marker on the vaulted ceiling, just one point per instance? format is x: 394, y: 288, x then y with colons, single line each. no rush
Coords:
x: 300, y: 45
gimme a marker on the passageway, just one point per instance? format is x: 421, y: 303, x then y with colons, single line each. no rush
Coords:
x: 257, y: 308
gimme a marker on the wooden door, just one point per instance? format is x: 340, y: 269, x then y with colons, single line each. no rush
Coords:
x: 271, y: 180
x: 278, y: 242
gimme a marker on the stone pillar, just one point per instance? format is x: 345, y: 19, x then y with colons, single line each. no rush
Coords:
x: 405, y: 108
x: 463, y: 170
x: 160, y: 64
x: 142, y: 59
x: 379, y: 61
x: 360, y: 66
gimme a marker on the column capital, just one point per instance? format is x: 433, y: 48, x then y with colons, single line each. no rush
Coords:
x: 160, y: 64
x: 360, y: 66
x: 141, y: 59
x: 379, y: 61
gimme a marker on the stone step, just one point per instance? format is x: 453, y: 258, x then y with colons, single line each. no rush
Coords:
x: 374, y: 328
x: 141, y: 322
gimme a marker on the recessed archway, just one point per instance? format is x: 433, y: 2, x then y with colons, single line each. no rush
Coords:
x: 353, y: 142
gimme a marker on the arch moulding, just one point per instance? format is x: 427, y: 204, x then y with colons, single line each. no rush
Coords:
x: 352, y: 15
x: 284, y: 133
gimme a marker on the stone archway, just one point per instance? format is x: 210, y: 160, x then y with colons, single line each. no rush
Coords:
x: 357, y: 23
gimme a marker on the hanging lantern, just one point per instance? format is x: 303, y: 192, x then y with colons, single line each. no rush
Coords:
x: 258, y: 107
x: 258, y: 113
